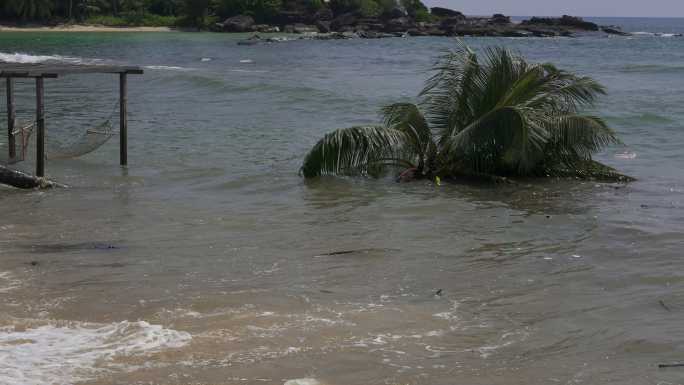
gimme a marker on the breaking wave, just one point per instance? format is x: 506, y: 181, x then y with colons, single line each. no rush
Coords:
x: 169, y: 68
x: 24, y: 58
x: 8, y: 282
x: 651, y: 68
x: 72, y: 351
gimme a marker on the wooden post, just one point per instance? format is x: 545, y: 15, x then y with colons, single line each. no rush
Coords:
x: 123, y: 120
x: 40, y: 120
x: 11, y: 119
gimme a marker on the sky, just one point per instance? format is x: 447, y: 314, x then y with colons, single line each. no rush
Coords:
x: 617, y: 8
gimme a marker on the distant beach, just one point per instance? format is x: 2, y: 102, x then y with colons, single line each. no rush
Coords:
x: 81, y: 28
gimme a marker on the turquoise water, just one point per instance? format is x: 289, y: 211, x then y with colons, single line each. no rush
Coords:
x: 209, y: 259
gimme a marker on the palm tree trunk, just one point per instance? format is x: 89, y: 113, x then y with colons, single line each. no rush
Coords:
x: 20, y: 180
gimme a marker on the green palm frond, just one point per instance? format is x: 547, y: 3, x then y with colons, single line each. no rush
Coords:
x: 358, y: 150
x: 445, y: 96
x: 491, y: 113
x: 408, y: 118
x: 579, y: 136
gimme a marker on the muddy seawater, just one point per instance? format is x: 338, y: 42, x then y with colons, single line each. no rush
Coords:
x: 210, y: 261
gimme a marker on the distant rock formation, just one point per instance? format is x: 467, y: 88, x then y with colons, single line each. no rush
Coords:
x: 397, y: 21
x: 240, y: 23
x: 565, y: 21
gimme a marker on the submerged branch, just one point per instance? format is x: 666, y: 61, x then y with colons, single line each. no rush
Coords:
x: 21, y: 180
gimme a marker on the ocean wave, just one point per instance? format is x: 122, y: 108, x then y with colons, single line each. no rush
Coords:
x: 640, y: 119
x: 656, y: 34
x: 651, y: 68
x: 70, y: 352
x: 8, y: 282
x: 169, y: 68
x: 248, y: 71
x: 24, y: 58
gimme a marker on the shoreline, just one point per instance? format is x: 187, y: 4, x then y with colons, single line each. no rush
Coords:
x: 83, y: 28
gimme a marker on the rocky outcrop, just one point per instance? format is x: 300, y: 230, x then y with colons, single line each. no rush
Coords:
x: 240, y: 23
x: 296, y: 18
x: 500, y: 19
x: 400, y: 24
x: 445, y: 12
x: 343, y: 20
x: 266, y: 28
x: 614, y: 31
x: 323, y: 26
x: 394, y: 13
x: 565, y: 21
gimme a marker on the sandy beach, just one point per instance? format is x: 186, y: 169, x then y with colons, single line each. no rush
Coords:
x: 81, y: 28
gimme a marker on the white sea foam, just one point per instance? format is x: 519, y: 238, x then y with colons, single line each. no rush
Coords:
x: 25, y: 58
x: 169, y: 68
x: 626, y: 155
x: 8, y: 282
x: 71, y: 352
x: 657, y: 34
x: 302, y: 381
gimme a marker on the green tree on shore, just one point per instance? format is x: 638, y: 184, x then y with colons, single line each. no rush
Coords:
x: 29, y: 9
x: 261, y: 10
x: 494, y: 115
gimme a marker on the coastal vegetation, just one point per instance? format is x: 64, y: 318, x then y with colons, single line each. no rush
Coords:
x: 347, y: 18
x: 190, y: 12
x: 492, y: 115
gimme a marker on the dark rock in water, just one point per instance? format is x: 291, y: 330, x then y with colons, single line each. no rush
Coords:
x: 515, y: 33
x: 303, y: 28
x: 373, y: 35
x: 436, y: 32
x: 565, y: 21
x: 445, y: 12
x: 265, y: 28
x: 333, y: 36
x: 614, y: 31
x: 33, y: 263
x: 253, y: 40
x: 240, y: 23
x: 417, y: 32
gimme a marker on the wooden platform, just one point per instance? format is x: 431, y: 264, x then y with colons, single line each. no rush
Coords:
x: 47, y: 70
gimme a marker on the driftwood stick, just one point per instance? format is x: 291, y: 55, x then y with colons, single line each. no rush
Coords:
x: 19, y: 179
x: 677, y: 365
x: 662, y: 303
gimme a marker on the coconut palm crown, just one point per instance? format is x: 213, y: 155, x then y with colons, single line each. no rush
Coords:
x: 489, y: 115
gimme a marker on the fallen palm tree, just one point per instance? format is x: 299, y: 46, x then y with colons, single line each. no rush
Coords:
x: 22, y: 180
x: 491, y: 117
